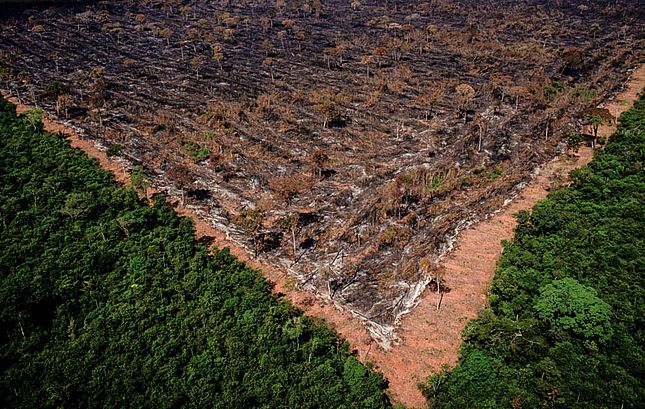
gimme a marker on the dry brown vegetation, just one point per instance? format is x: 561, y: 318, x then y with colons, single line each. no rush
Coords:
x: 346, y: 142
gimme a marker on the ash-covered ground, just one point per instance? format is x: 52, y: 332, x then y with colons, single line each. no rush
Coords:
x: 345, y: 142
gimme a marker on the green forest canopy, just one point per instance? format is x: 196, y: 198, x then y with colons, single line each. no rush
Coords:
x: 109, y: 302
x: 565, y: 326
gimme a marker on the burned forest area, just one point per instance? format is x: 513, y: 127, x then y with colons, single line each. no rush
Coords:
x: 345, y: 142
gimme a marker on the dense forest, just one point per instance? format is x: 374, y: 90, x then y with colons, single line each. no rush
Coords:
x: 107, y: 301
x: 565, y: 326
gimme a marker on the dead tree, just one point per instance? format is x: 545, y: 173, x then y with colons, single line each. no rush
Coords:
x: 290, y: 224
x: 480, y: 121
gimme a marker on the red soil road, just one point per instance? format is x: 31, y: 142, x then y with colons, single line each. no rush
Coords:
x: 430, y: 338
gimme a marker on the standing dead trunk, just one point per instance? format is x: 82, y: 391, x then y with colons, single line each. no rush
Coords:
x: 293, y: 241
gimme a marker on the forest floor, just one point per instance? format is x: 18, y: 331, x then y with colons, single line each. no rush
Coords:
x: 429, y: 337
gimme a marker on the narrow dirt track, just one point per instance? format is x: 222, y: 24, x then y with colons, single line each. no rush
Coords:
x: 430, y: 338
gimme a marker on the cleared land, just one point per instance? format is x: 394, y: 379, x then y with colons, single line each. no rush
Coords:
x: 345, y: 145
x: 326, y: 137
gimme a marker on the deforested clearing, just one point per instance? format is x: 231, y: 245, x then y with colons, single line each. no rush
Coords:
x: 346, y: 144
